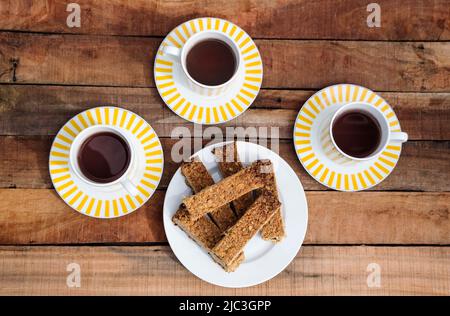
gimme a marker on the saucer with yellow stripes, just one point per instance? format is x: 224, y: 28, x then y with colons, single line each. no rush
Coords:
x: 192, y: 106
x: 322, y: 160
x: 112, y: 200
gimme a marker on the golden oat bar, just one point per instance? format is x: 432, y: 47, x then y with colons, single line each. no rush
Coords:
x: 274, y: 229
x: 227, y: 190
x: 205, y: 233
x: 203, y: 230
x: 235, y: 239
x: 229, y: 164
x: 234, y: 264
x: 198, y: 178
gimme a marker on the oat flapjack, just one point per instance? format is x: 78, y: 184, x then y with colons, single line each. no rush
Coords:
x: 226, y: 247
x: 198, y: 178
x: 205, y: 233
x: 273, y: 230
x: 236, y: 237
x: 227, y: 190
x: 229, y: 164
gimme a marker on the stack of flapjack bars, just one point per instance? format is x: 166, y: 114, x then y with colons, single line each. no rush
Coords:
x: 222, y: 217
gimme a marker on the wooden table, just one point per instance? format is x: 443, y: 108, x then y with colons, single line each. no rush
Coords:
x: 50, y: 72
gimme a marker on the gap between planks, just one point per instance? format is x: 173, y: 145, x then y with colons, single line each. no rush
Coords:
x: 161, y: 37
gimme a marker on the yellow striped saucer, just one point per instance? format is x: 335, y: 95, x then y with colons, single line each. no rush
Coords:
x: 111, y: 201
x: 318, y: 155
x: 208, y: 109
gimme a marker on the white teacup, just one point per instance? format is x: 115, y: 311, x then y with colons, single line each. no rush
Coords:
x: 124, y: 179
x: 180, y: 55
x: 386, y: 135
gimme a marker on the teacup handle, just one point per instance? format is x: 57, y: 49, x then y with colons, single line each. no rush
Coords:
x: 399, y: 137
x: 171, y: 50
x: 130, y: 187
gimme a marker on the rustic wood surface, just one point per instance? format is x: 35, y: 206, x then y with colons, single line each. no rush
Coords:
x: 128, y: 61
x: 50, y: 72
x: 424, y: 165
x: 404, y: 19
x: 426, y: 116
x: 317, y: 270
x: 334, y: 218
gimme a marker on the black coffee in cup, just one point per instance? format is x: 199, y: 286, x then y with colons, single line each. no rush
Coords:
x: 211, y: 62
x: 104, y: 157
x: 356, y: 133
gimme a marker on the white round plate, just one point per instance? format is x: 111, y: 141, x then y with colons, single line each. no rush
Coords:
x: 174, y: 89
x: 111, y: 201
x: 263, y: 259
x: 316, y: 151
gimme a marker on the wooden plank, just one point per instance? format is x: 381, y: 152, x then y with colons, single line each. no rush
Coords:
x: 401, y: 19
x: 127, y: 61
x: 57, y: 223
x: 47, y: 108
x: 92, y: 60
x: 41, y: 217
x: 316, y: 270
x: 423, y: 165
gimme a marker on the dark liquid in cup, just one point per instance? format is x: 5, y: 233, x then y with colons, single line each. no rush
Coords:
x: 211, y: 62
x: 104, y: 157
x: 357, y: 133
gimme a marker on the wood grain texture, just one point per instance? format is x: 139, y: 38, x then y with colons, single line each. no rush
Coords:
x: 401, y: 19
x: 128, y: 61
x: 49, y: 73
x: 423, y: 166
x: 316, y: 270
x: 41, y: 217
x: 42, y: 110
